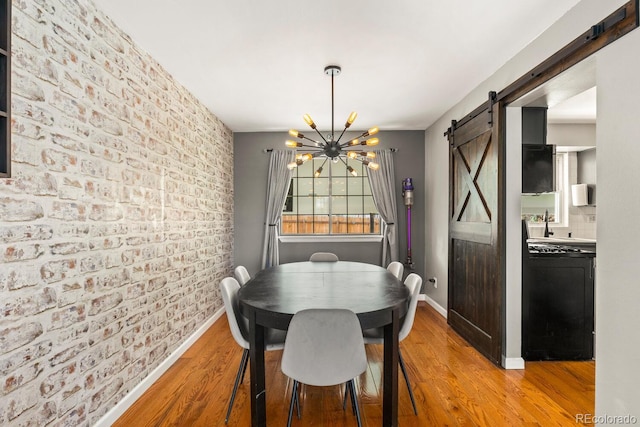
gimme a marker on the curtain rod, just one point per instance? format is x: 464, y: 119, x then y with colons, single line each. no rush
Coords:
x: 268, y: 150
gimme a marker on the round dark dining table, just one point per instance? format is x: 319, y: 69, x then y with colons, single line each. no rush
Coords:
x: 274, y: 295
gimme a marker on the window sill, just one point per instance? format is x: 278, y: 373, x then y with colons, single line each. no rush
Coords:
x: 342, y: 238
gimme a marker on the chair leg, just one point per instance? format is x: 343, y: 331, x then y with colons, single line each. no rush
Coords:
x: 344, y: 399
x: 294, y: 398
x: 353, y: 396
x: 239, y: 375
x: 298, y: 400
x: 244, y: 369
x: 354, y: 401
x: 406, y: 378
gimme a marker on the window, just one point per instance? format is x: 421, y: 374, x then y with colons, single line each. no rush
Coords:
x: 335, y: 203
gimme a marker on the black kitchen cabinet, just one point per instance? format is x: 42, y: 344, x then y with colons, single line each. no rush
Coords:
x: 557, y: 306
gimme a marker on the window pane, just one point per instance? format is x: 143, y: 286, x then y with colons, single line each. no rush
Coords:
x: 306, y: 169
x: 305, y: 186
x: 339, y: 204
x: 339, y: 186
x: 321, y: 224
x: 305, y: 224
x: 321, y: 205
x: 289, y: 224
x: 339, y: 224
x: 369, y: 205
x: 305, y: 205
x: 338, y: 169
x: 534, y: 207
x: 356, y: 165
x: 321, y: 186
x: 354, y: 205
x: 355, y: 185
x: 366, y: 186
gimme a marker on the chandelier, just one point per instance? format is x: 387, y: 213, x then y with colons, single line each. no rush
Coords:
x: 330, y: 147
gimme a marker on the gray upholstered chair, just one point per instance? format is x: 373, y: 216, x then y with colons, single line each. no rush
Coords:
x: 240, y: 331
x: 324, y: 347
x: 242, y: 275
x: 396, y: 268
x: 376, y: 336
x: 323, y: 257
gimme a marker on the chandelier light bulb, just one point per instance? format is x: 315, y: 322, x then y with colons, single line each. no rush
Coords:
x: 354, y: 142
x: 371, y: 165
x: 369, y: 154
x: 352, y: 154
x: 351, y: 119
x: 293, y: 144
x: 294, y: 133
x: 371, y: 142
x: 318, y: 172
x: 352, y: 171
x: 307, y: 118
x: 294, y: 165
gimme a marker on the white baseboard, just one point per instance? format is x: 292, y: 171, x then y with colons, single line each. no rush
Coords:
x: 440, y: 309
x: 512, y: 362
x: 121, y: 407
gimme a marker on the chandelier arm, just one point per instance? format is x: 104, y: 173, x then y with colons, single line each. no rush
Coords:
x: 311, y: 146
x: 340, y: 137
x: 347, y: 144
x: 357, y: 158
x: 344, y: 144
x: 321, y: 136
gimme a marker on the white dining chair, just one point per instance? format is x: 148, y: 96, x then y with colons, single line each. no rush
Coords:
x: 238, y: 324
x: 242, y: 275
x: 323, y: 257
x: 376, y: 336
x: 396, y: 268
x: 324, y: 347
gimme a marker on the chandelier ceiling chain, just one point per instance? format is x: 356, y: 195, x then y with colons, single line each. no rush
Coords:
x: 330, y: 147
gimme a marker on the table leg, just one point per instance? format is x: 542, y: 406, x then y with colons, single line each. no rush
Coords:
x: 256, y: 358
x: 390, y: 383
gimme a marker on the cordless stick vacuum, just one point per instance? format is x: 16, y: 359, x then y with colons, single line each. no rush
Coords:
x: 407, y: 194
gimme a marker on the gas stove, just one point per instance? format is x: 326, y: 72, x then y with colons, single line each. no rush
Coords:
x: 545, y: 249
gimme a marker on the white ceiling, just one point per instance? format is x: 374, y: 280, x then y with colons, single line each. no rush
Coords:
x: 578, y: 109
x: 258, y: 65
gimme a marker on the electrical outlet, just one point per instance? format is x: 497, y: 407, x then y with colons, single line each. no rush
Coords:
x: 434, y: 280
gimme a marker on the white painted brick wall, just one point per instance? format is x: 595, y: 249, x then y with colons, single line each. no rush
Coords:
x: 117, y: 224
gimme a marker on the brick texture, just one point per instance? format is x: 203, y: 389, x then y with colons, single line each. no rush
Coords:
x: 117, y: 223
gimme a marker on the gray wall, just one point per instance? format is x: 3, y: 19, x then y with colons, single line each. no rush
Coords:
x: 251, y: 164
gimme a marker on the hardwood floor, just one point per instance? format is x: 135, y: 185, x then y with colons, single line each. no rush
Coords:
x: 453, y: 384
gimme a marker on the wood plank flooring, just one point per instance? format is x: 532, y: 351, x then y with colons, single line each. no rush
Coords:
x: 453, y: 384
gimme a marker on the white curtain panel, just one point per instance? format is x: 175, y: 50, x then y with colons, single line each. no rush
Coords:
x: 278, y: 183
x: 383, y: 189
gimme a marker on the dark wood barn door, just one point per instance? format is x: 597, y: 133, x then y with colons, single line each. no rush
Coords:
x: 476, y: 275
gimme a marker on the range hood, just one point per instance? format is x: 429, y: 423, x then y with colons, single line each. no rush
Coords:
x: 538, y: 158
x: 534, y: 125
